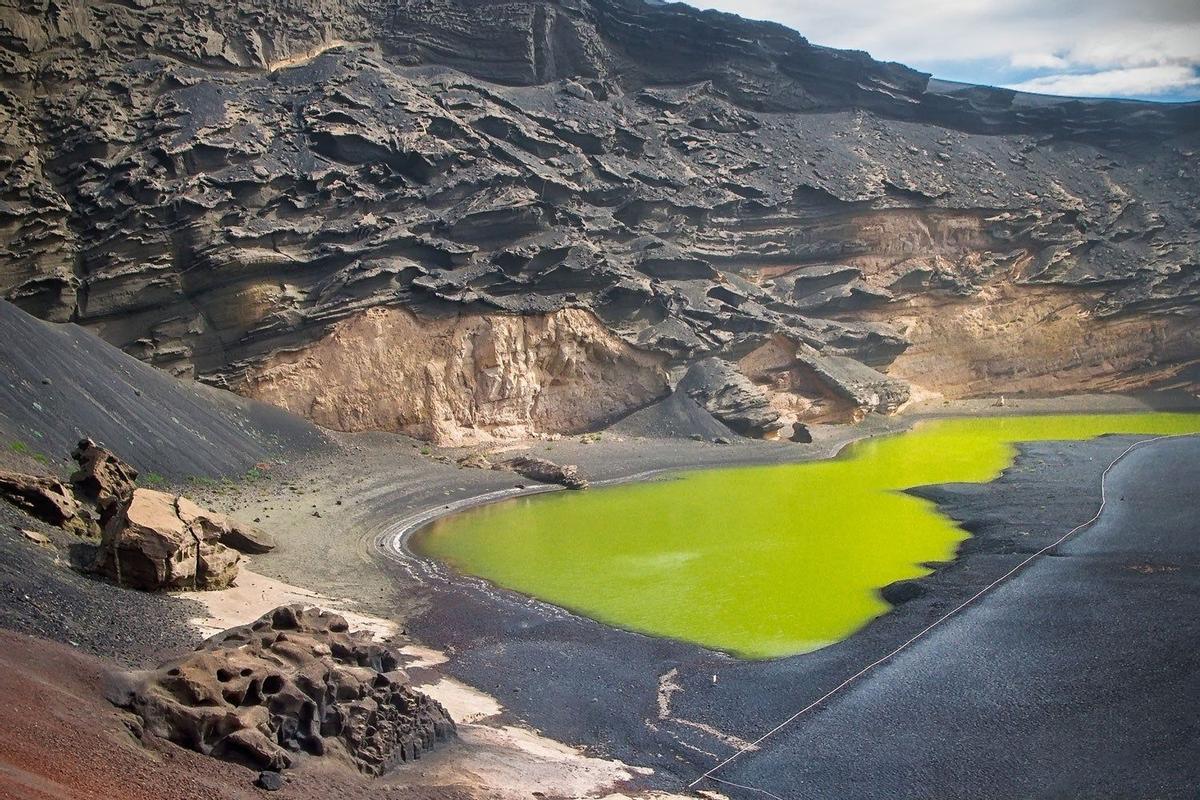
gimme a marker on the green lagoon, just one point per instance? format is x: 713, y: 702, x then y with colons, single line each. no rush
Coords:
x: 762, y: 561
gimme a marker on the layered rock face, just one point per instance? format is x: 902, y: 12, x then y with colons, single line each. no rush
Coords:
x: 243, y: 191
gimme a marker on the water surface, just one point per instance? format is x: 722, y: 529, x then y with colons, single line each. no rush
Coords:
x: 759, y: 561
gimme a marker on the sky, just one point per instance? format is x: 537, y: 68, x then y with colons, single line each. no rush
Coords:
x: 1145, y: 49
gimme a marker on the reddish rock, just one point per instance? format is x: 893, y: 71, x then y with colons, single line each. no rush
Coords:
x: 44, y: 498
x: 228, y: 531
x: 102, y: 477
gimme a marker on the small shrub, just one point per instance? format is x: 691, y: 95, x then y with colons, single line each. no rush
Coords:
x: 152, y: 479
x: 20, y: 447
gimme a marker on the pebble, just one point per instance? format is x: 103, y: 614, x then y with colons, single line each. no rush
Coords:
x: 36, y: 538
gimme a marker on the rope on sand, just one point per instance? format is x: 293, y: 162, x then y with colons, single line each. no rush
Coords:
x: 709, y: 774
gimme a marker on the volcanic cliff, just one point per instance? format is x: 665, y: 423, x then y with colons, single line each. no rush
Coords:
x: 468, y: 220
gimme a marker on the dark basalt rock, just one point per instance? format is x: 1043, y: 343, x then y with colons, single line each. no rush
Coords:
x: 296, y: 681
x: 269, y: 781
x: 900, y: 592
x: 801, y: 434
x: 206, y: 184
x: 731, y: 397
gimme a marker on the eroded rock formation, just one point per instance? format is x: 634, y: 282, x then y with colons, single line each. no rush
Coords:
x: 239, y: 190
x: 148, y: 539
x: 297, y: 681
x: 44, y: 498
x: 102, y: 478
x: 732, y: 398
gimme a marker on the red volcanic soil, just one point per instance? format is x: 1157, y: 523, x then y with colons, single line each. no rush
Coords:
x: 60, y: 739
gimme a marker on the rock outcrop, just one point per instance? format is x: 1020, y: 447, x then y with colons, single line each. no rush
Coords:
x: 462, y: 379
x: 544, y: 471
x: 247, y: 192
x: 731, y: 397
x: 44, y: 498
x: 297, y: 681
x: 148, y: 539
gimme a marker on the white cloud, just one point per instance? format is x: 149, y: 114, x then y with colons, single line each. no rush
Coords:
x: 1063, y: 36
x: 1038, y: 61
x: 1115, y: 82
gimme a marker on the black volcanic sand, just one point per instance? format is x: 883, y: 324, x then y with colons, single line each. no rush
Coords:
x: 1077, y: 678
x: 59, y: 383
x: 990, y: 718
x: 41, y: 595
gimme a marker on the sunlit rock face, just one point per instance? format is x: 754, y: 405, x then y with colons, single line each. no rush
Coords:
x: 217, y: 187
x: 462, y: 379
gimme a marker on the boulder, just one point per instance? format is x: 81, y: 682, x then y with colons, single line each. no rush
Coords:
x: 296, y: 681
x: 246, y: 538
x: 45, y: 498
x: 545, y: 471
x: 475, y: 461
x: 157, y: 542
x: 269, y: 781
x: 230, y: 532
x: 216, y: 566
x: 102, y: 477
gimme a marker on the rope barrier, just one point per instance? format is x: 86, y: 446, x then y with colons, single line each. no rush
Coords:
x: 709, y: 774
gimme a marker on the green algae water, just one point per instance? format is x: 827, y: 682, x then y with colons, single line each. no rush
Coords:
x: 759, y: 561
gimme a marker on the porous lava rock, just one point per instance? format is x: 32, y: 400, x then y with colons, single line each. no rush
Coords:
x: 295, y: 681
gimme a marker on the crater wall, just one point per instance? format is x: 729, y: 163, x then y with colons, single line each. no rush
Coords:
x: 217, y: 187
